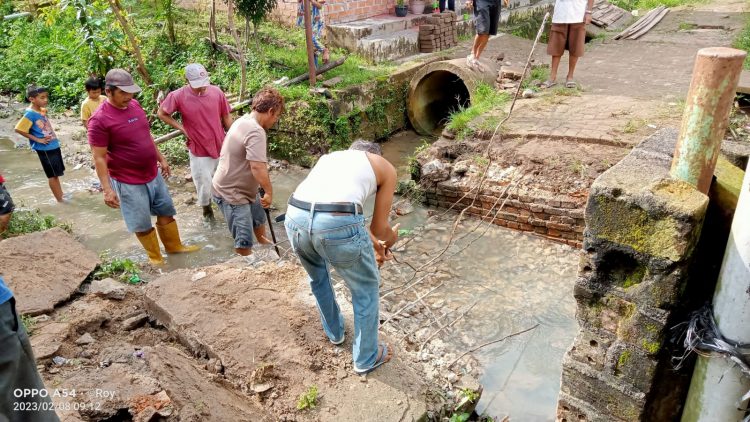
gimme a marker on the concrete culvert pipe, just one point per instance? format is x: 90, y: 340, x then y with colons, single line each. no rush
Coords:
x: 440, y: 88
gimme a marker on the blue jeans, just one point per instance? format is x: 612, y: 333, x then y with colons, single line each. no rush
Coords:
x: 342, y: 242
x: 242, y: 219
x: 139, y: 202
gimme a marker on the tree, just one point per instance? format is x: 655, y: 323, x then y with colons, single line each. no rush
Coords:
x: 120, y: 15
x: 255, y: 11
x: 240, y: 50
x: 97, y: 34
x: 167, y: 10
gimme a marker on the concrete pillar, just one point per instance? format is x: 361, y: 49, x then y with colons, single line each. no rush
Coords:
x: 718, y: 384
x: 704, y: 122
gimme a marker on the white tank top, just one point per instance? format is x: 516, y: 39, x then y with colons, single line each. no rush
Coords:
x: 341, y: 176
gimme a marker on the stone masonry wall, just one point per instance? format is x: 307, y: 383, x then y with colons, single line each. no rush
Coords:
x: 639, y: 244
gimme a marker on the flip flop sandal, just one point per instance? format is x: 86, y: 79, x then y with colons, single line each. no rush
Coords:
x: 547, y: 84
x: 571, y: 85
x: 378, y: 362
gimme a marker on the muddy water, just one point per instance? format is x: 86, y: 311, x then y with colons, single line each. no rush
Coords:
x: 520, y: 280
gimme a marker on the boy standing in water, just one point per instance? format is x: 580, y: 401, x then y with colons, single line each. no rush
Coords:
x: 93, y: 99
x: 35, y: 126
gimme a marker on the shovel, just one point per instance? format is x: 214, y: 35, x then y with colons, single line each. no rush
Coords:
x: 270, y: 226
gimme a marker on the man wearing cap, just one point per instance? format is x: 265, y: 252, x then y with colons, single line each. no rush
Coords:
x: 206, y: 117
x: 126, y: 162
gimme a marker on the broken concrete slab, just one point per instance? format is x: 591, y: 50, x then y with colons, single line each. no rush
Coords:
x: 196, y: 397
x: 263, y: 333
x: 58, y: 267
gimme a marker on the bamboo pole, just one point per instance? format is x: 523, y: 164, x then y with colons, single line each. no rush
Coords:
x: 309, y: 42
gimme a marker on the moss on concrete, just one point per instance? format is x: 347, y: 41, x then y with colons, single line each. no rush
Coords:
x: 635, y: 277
x: 316, y: 125
x: 623, y: 359
x: 651, y: 346
x: 632, y: 226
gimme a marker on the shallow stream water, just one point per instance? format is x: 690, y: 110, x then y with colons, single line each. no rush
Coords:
x: 520, y: 280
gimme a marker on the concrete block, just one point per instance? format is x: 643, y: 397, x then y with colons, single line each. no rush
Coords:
x: 636, y: 204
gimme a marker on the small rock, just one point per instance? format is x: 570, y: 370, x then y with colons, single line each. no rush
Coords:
x: 341, y: 374
x: 188, y: 178
x: 448, y: 134
x: 42, y: 318
x: 59, y: 360
x: 527, y: 93
x: 500, y: 57
x: 199, y: 275
x: 322, y: 91
x: 109, y: 288
x: 146, y: 415
x: 53, y: 370
x: 511, y: 72
x: 86, y: 353
x: 190, y: 200
x: 261, y: 388
x: 85, y: 339
x: 105, y: 363
x: 134, y: 322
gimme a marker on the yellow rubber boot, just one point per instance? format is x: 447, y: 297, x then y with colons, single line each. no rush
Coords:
x: 151, y: 244
x: 170, y: 237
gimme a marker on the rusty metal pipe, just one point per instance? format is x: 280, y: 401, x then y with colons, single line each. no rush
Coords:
x: 704, y: 121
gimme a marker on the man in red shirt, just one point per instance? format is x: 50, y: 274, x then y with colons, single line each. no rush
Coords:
x: 126, y: 162
x: 205, y: 120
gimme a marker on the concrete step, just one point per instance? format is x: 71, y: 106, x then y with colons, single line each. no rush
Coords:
x: 382, y: 37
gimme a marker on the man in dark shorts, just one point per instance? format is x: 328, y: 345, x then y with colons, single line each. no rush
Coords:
x: 568, y: 32
x: 486, y: 19
x: 6, y: 206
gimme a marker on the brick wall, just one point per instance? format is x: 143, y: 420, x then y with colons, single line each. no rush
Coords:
x: 555, y: 219
x: 338, y: 11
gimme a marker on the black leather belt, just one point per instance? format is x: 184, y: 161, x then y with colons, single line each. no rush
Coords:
x: 349, y: 207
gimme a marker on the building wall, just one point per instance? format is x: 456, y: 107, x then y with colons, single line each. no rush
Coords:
x: 338, y: 11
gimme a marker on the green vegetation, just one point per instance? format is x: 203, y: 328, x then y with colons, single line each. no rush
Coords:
x: 687, y: 26
x: 459, y: 417
x: 308, y: 399
x: 122, y: 269
x: 539, y: 73
x: 646, y: 5
x: 743, y: 43
x: 73, y: 38
x: 526, y: 25
x: 485, y: 98
x: 411, y: 190
x: 29, y: 324
x: 175, y: 151
x: 30, y: 221
x: 412, y: 161
x: 633, y: 125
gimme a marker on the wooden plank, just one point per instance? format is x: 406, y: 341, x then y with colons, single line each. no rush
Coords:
x: 639, y: 24
x: 651, y: 24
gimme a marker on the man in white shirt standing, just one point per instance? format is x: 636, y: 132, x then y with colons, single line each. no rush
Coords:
x: 568, y: 32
